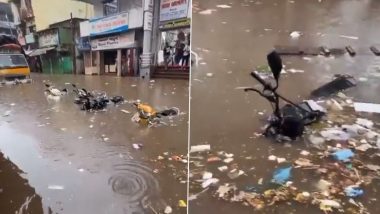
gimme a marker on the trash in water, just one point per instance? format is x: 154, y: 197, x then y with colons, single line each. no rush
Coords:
x: 340, y: 83
x: 335, y: 134
x: 209, y: 182
x: 304, y: 153
x: 316, y: 141
x: 207, y: 175
x: 281, y: 175
x: 137, y: 146
x: 323, y: 185
x: 223, y: 168
x: 207, y: 12
x: 334, y: 105
x: 292, y: 70
x: 200, y: 148
x: 295, y: 34
x: 55, y: 187
x: 353, y: 191
x: 303, y: 197
x: 367, y: 107
x: 182, y: 203
x: 364, y: 147
x: 343, y: 155
x: 125, y: 111
x: 223, y: 6
x: 303, y: 162
x: 364, y: 122
x: 349, y: 37
x: 327, y: 205
x: 235, y: 173
x: 272, y: 158
x: 228, y: 160
x: 168, y: 210
x: 209, y: 74
x: 372, y: 167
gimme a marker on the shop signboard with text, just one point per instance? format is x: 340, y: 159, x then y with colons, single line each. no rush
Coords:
x: 110, y: 24
x: 173, y: 9
x: 113, y: 42
x: 48, y: 38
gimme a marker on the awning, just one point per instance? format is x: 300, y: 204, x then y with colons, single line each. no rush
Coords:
x: 40, y: 51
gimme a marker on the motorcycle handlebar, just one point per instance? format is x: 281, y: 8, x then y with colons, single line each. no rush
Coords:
x: 260, y: 80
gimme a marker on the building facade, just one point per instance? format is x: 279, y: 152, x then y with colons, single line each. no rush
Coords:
x: 8, y: 19
x: 58, y: 48
x: 37, y: 15
x: 113, y: 40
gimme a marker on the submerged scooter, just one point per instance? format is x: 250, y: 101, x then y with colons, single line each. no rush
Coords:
x: 291, y: 119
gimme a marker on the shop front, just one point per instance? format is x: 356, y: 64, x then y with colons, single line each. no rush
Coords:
x: 54, y: 51
x: 174, y: 43
x: 115, y: 48
x: 174, y: 48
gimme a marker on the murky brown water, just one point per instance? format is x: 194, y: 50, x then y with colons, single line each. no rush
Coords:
x: 68, y: 159
x: 231, y: 42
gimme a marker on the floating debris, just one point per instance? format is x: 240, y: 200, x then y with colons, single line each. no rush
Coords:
x: 295, y: 34
x: 200, y: 148
x: 224, y: 6
x: 207, y: 12
x: 281, y: 175
x: 56, y: 187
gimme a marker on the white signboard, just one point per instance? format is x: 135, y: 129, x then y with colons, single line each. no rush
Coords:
x: 84, y: 28
x: 29, y: 38
x: 173, y: 9
x: 113, y: 42
x: 148, y: 20
x: 148, y: 5
x: 110, y: 24
x: 47, y: 39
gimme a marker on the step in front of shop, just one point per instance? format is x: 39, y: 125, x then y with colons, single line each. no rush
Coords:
x: 171, y: 73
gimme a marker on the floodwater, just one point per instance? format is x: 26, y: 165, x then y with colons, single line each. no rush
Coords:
x: 84, y: 162
x: 231, y: 41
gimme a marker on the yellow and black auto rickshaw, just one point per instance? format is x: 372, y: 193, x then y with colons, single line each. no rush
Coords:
x: 13, y: 63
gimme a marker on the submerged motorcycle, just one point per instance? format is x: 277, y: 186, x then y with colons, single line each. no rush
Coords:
x: 147, y: 115
x: 291, y: 119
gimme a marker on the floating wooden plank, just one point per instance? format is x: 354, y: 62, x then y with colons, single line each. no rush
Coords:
x: 350, y: 50
x: 338, y: 84
x: 337, y: 51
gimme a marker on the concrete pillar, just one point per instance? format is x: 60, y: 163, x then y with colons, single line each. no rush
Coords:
x: 146, y: 57
x: 118, y: 62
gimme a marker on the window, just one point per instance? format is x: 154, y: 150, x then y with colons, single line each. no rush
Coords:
x: 110, y: 7
x: 12, y: 61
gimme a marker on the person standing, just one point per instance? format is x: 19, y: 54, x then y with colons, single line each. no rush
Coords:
x: 186, y: 56
x: 179, y: 52
x: 166, y: 55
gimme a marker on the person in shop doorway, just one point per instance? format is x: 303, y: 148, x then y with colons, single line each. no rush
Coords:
x: 186, y: 56
x: 38, y: 65
x: 123, y: 65
x: 179, y: 52
x: 167, y: 55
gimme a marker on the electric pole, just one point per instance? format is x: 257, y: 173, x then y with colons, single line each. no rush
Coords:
x: 73, y: 46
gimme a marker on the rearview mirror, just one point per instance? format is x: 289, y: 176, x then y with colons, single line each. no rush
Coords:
x: 275, y: 64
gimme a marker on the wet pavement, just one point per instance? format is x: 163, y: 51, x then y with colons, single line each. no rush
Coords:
x: 85, y: 162
x: 231, y: 39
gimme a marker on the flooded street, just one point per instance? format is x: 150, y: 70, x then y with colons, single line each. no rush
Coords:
x: 85, y: 162
x: 231, y: 39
